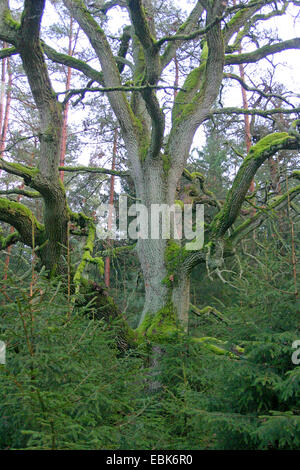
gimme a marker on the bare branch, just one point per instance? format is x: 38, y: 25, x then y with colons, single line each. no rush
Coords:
x: 262, y: 52
x: 88, y: 169
x: 185, y: 29
x: 256, y: 112
x: 255, y: 90
x: 256, y: 220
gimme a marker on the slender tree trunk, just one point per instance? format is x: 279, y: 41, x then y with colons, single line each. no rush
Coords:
x: 66, y: 110
x: 7, y: 110
x: 111, y: 201
x: 2, y: 93
x: 181, y: 299
x: 176, y: 80
x: 246, y: 116
x: 246, y: 119
x: 4, y: 128
x: 7, y: 259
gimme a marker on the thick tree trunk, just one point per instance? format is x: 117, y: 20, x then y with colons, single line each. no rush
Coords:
x: 151, y: 254
x: 165, y: 287
x: 181, y: 299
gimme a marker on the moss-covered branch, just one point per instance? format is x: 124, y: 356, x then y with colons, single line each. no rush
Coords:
x: 8, y: 52
x: 11, y: 239
x: 264, y: 149
x: 187, y: 37
x: 18, y: 169
x: 90, y: 169
x: 218, y: 347
x: 72, y: 62
x: 87, y: 258
x: 21, y: 192
x: 244, y: 15
x: 131, y: 88
x: 164, y: 328
x: 8, y: 26
x: 262, y: 52
x: 268, y: 113
x: 31, y: 232
x: 208, y: 311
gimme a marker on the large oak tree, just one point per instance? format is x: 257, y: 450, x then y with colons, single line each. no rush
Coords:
x: 156, y: 155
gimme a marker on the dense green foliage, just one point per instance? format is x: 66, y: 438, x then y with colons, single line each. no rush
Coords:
x: 67, y: 386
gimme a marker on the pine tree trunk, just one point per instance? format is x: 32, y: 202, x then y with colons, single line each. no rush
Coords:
x: 111, y: 201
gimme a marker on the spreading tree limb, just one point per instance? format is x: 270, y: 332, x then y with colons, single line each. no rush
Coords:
x: 262, y: 52
x: 22, y: 219
x: 90, y: 169
x: 11, y: 239
x: 264, y: 149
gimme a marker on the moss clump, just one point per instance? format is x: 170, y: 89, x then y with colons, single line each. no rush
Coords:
x: 174, y: 256
x: 26, y: 170
x: 211, y: 344
x: 9, y: 21
x: 142, y: 136
x: 161, y: 328
x: 166, y: 162
x: 266, y: 144
x: 10, y: 239
x: 88, y: 258
x: 180, y: 204
x: 186, y: 102
x: 79, y: 218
